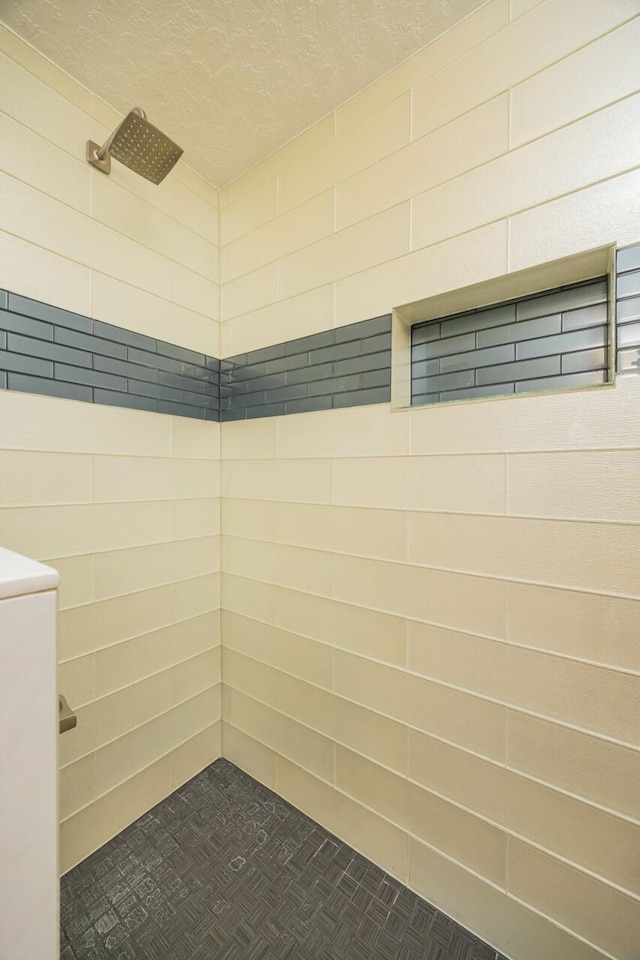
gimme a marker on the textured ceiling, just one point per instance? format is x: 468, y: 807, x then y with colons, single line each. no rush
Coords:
x: 230, y: 80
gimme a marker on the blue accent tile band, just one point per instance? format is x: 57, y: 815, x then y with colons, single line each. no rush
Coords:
x: 54, y: 352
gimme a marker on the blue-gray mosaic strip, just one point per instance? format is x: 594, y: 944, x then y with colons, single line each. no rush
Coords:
x: 628, y: 310
x: 550, y: 341
x: 54, y: 352
x: 348, y: 366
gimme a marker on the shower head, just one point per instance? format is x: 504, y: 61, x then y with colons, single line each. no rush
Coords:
x: 139, y: 145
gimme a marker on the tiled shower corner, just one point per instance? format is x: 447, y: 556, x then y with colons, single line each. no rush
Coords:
x: 224, y: 869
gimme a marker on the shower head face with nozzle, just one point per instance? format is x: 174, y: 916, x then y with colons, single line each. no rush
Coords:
x: 138, y: 145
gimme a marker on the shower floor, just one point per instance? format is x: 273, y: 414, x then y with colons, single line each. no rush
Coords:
x: 224, y: 869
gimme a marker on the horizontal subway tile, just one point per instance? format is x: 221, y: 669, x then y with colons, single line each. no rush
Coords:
x: 584, y: 360
x: 565, y: 382
x: 20, y: 364
x: 83, y: 341
x: 49, y: 388
x: 16, y: 323
x: 584, y: 317
x: 628, y: 284
x: 114, y: 399
x: 107, y: 331
x: 48, y: 350
x: 628, y: 309
x: 44, y: 311
x: 628, y: 258
x: 540, y: 367
x: 523, y: 330
x: 558, y: 301
x: 91, y: 378
x: 563, y: 343
x: 479, y: 320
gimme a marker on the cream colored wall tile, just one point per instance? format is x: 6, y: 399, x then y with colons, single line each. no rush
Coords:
x: 197, y: 183
x: 459, y: 776
x: 562, y: 162
x: 92, y: 826
x: 252, y: 519
x: 143, y: 222
x: 580, y: 833
x: 574, y: 420
x: 366, y: 431
x: 471, y: 484
x: 196, y: 518
x: 284, y: 736
x: 138, y: 478
x: 604, y: 916
x: 39, y: 478
x: 596, y: 699
x: 131, y: 660
x: 45, y: 423
x: 126, y: 306
x: 76, y: 680
x: 301, y: 146
x: 43, y: 531
x: 54, y: 78
x: 111, y: 717
x: 510, y: 926
x: 250, y: 211
x: 460, y: 659
x: 181, y: 198
x: 549, y: 551
x: 305, y: 481
x: 373, y: 241
x: 277, y: 648
x: 551, y: 98
x: 286, y: 566
x: 520, y: 7
x: 97, y: 625
x: 465, y: 143
x: 373, y: 836
x: 358, y: 147
x: 458, y: 717
x: 371, y: 533
x: 139, y: 748
x: 528, y: 45
x: 196, y: 439
x: 200, y: 673
x: 248, y: 597
x: 32, y: 102
x: 77, y: 786
x: 296, y: 228
x: 585, y: 625
x: 341, y: 625
x: 76, y: 580
x: 249, y: 292
x: 449, y: 46
x: 310, y: 312
x: 605, y: 213
x: 31, y: 215
x: 196, y: 292
x: 38, y: 273
x: 35, y: 161
x: 250, y: 755
x: 196, y: 754
x: 248, y: 439
x: 374, y: 736
x: 445, y: 266
x: 598, y: 485
x: 463, y: 837
x: 591, y: 768
x: 423, y: 593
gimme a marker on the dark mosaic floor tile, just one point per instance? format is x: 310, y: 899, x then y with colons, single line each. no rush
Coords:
x: 223, y: 869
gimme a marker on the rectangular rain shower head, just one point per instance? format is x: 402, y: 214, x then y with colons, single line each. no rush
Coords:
x: 139, y: 145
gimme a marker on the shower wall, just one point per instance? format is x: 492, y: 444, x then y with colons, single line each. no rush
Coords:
x: 122, y: 502
x: 429, y: 616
